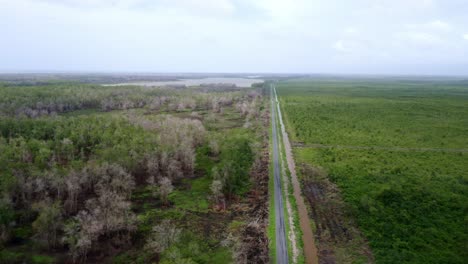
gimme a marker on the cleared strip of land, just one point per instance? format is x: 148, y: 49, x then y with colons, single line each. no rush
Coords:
x: 299, y: 145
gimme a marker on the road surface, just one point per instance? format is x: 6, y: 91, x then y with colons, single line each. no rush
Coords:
x: 310, y: 250
x: 281, y: 246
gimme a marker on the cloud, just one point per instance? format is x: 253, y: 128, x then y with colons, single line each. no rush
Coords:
x: 440, y: 25
x: 352, y: 46
x: 210, y: 7
x: 339, y: 46
x: 281, y: 9
x: 422, y: 38
x: 351, y: 31
x: 94, y: 3
x: 435, y: 25
x: 394, y: 8
x: 230, y: 35
x: 184, y: 7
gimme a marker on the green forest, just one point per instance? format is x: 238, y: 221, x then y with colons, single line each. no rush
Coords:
x: 398, y: 152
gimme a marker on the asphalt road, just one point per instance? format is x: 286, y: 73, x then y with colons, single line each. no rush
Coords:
x: 310, y: 249
x: 281, y: 246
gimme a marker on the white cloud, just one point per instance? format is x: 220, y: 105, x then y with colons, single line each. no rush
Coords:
x: 351, y: 31
x: 394, y: 8
x: 339, y: 46
x: 351, y: 46
x: 435, y: 25
x: 191, y: 7
x: 210, y: 7
x: 422, y: 38
x: 440, y: 25
x: 282, y: 9
x: 93, y: 3
x: 465, y: 36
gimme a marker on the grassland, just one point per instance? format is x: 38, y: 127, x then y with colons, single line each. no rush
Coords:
x: 397, y: 152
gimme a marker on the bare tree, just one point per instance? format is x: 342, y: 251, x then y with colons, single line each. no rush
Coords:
x: 112, y: 211
x: 174, y: 170
x: 152, y: 168
x: 79, y: 235
x: 155, y: 103
x: 165, y: 188
x: 217, y: 192
x: 105, y: 215
x: 73, y: 187
x: 162, y: 236
x: 114, y: 178
x: 214, y: 147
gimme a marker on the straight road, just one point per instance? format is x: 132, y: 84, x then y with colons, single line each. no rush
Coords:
x: 281, y: 246
x: 310, y: 249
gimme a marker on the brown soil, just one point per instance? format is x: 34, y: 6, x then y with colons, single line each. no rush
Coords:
x: 310, y: 249
x: 335, y: 229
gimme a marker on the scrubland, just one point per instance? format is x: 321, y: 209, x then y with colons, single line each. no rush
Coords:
x: 390, y: 160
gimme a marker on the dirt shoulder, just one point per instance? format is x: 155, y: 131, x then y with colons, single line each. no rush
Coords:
x: 310, y: 249
x: 339, y: 239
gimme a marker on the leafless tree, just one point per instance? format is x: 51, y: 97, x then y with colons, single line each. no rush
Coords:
x: 107, y: 214
x: 155, y: 103
x: 73, y: 188
x: 217, y: 193
x: 165, y: 188
x: 114, y: 178
x: 112, y: 211
x: 162, y: 236
x: 214, y: 147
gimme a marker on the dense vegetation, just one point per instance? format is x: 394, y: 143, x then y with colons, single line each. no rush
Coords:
x: 398, y: 152
x: 125, y: 174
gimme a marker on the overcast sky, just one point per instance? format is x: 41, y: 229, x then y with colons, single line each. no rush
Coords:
x: 303, y: 36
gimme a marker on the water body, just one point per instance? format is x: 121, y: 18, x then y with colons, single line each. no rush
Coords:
x: 239, y: 82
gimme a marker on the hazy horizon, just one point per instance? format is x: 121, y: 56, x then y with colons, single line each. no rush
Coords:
x: 240, y: 74
x: 364, y: 37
